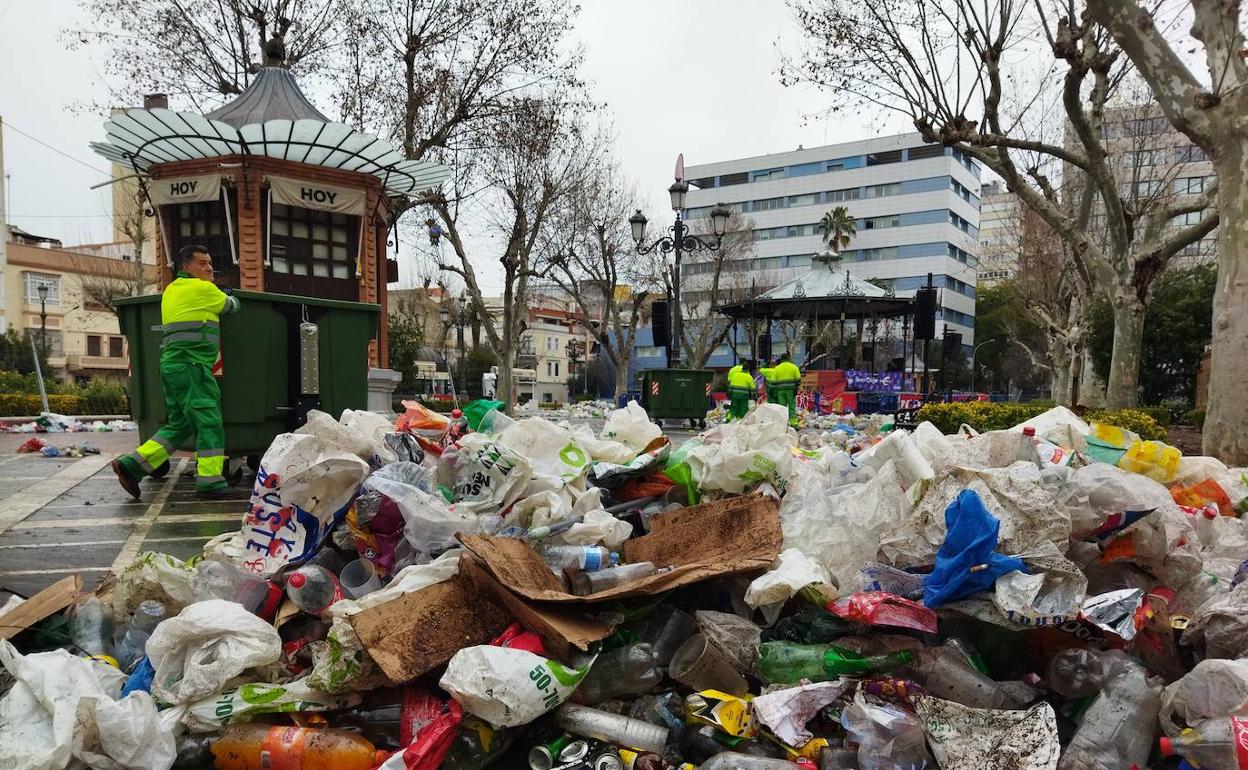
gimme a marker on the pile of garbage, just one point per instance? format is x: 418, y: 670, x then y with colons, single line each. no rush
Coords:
x: 50, y: 422
x: 486, y: 591
x: 37, y: 445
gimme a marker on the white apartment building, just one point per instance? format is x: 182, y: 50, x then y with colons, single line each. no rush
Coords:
x: 917, y: 208
x: 1000, y: 224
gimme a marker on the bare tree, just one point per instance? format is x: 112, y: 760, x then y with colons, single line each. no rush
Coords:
x: 1208, y: 108
x: 965, y: 73
x: 593, y: 261
x: 539, y: 153
x: 712, y: 279
x: 129, y: 275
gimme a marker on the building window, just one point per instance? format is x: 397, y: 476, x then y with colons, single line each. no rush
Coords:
x: 730, y: 179
x: 852, y: 194
x: 927, y: 151
x: 879, y: 223
x: 312, y: 244
x: 762, y: 176
x: 836, y: 165
x: 93, y: 344
x: 552, y: 344
x: 808, y: 199
x: 116, y: 347
x: 35, y: 280
x: 205, y: 224
x: 552, y: 368
x: 883, y: 190
x: 880, y: 158
x: 1143, y: 188
x: 1189, y: 154
x: 1142, y: 158
x: 1190, y: 218
x: 1191, y: 185
x: 703, y: 183
x: 548, y: 398
x: 767, y: 204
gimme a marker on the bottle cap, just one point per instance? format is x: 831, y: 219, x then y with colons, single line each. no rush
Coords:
x: 297, y: 580
x: 457, y: 413
x: 1167, y: 747
x: 1029, y: 431
x: 1209, y: 512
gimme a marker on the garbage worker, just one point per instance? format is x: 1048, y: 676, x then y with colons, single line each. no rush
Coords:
x: 741, y: 389
x: 769, y: 382
x: 787, y: 377
x: 190, y: 311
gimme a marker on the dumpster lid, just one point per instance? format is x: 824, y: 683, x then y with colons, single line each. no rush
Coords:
x: 267, y: 296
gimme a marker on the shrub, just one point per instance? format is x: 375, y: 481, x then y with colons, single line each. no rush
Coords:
x: 1159, y: 412
x: 24, y: 404
x: 1195, y: 417
x: 981, y: 415
x: 550, y: 405
x: 1133, y: 420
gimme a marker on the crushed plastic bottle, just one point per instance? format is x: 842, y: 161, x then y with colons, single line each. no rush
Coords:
x: 785, y: 662
x: 134, y: 640
x: 614, y: 728
x: 92, y: 628
x: 587, y: 558
x: 1117, y: 730
x: 947, y: 673
x: 629, y: 670
x: 586, y: 583
x: 732, y: 760
x: 1212, y: 744
x: 888, y: 738
x: 313, y: 589
x: 261, y: 747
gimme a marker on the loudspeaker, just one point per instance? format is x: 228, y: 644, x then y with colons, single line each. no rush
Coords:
x: 764, y: 347
x: 925, y: 313
x: 952, y: 343
x: 661, y: 323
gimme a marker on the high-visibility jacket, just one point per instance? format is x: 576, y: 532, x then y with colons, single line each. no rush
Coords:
x: 190, y: 314
x: 787, y: 371
x: 741, y: 380
x: 769, y: 374
x: 735, y: 368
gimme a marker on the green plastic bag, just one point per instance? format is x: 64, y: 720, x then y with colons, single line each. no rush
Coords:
x: 477, y: 410
x: 678, y: 470
x: 1103, y: 451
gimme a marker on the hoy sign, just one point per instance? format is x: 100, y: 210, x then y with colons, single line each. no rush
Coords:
x: 304, y: 194
x: 191, y: 189
x: 317, y: 195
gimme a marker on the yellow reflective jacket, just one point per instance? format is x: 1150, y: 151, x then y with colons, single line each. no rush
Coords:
x: 190, y: 311
x: 741, y: 379
x: 787, y: 371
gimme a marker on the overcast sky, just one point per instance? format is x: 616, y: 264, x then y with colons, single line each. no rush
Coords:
x: 694, y: 76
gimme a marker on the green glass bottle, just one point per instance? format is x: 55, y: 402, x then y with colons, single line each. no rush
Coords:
x: 786, y: 662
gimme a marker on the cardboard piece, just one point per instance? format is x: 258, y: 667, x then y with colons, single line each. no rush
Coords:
x: 725, y: 537
x: 49, y: 601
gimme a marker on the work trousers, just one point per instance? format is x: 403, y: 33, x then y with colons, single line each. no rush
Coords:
x: 192, y: 410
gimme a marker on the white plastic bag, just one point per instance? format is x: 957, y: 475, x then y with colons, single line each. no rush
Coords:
x: 631, y: 426
x: 508, y: 687
x: 902, y: 450
x: 242, y: 703
x: 1222, y: 624
x: 209, y: 643
x: 756, y: 450
x: 599, y: 528
x: 487, y: 477
x: 1052, y: 595
x: 429, y: 524
x: 791, y: 572
x: 787, y: 711
x: 62, y: 708
x: 965, y: 738
x: 1213, y: 688
x: 551, y: 451
x: 602, y: 449
x: 157, y: 576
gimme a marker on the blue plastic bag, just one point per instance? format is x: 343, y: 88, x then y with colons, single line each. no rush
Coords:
x: 967, y: 561
x: 140, y: 678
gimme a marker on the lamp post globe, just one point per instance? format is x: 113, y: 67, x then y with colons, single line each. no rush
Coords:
x: 677, y: 191
x: 638, y: 223
x: 719, y: 219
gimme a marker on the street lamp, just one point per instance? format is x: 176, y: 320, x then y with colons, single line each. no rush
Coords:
x: 680, y: 241
x: 973, y: 352
x: 43, y: 319
x: 575, y: 351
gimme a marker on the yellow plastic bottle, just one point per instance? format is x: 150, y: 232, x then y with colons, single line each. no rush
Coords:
x: 269, y: 747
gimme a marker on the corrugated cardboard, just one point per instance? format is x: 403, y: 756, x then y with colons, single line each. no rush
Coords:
x: 740, y: 534
x: 49, y: 601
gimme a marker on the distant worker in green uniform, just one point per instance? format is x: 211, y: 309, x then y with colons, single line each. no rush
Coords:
x: 785, y: 377
x: 190, y: 312
x: 741, y: 388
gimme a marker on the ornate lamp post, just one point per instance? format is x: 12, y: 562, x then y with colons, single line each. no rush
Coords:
x: 679, y: 241
x: 43, y: 319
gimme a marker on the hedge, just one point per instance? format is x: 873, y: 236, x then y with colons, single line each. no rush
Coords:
x: 22, y: 405
x: 985, y: 416
x: 1195, y: 417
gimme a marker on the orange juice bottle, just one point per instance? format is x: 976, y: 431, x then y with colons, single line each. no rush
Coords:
x: 269, y: 747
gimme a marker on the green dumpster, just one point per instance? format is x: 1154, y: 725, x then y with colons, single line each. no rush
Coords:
x: 260, y: 363
x: 676, y: 393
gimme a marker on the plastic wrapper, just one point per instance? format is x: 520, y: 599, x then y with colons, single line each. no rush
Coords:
x: 1051, y: 596
x: 786, y: 712
x: 1202, y: 493
x: 791, y: 572
x: 1119, y: 612
x: 631, y: 426
x: 417, y: 418
x: 198, y: 652
x: 508, y: 687
x: 967, y: 562
x: 965, y: 738
x: 1213, y: 688
x: 157, y: 576
x: 878, y: 608
x: 1155, y: 459
x: 62, y: 709
x: 1222, y: 625
x: 881, y: 577
x: 244, y: 702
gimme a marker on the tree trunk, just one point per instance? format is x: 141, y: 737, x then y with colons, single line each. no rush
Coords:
x: 1226, y: 419
x: 621, y: 378
x: 1059, y: 380
x: 1122, y: 390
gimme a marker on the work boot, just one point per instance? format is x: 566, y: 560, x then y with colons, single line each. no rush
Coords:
x: 213, y: 493
x: 128, y: 482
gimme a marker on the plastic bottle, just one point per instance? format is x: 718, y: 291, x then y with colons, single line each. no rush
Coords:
x: 1216, y: 744
x: 92, y: 628
x: 1203, y: 520
x: 888, y: 738
x: 313, y: 588
x: 731, y: 760
x: 588, y: 558
x: 1027, y: 447
x: 477, y: 745
x: 947, y: 673
x: 613, y: 728
x: 134, y: 641
x: 586, y: 583
x: 261, y: 747
x: 786, y: 662
x: 809, y: 625
x: 629, y: 670
x: 1078, y: 673
x: 838, y: 758
x: 1117, y: 730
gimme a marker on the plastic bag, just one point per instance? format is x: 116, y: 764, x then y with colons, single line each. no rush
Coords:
x: 354, y: 438
x: 883, y: 609
x: 476, y: 411
x: 735, y: 636
x: 754, y: 451
x: 965, y: 738
x: 677, y: 469
x: 841, y: 527
x: 967, y: 562
x: 1155, y: 459
x: 888, y: 737
x: 508, y: 687
x: 487, y: 477
x: 302, y: 491
x: 631, y: 426
x: 1222, y: 624
x: 197, y: 653
x: 62, y: 708
x: 602, y: 449
x: 420, y: 419
x: 1051, y: 596
x: 599, y: 528
x: 1202, y: 493
x: 157, y: 576
x: 897, y: 446
x: 791, y: 572
x: 551, y: 451
x: 244, y: 702
x: 787, y: 711
x: 439, y: 724
x: 1213, y: 688
x: 613, y: 475
x: 1096, y: 492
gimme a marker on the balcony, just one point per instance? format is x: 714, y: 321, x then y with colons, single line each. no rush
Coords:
x: 77, y: 362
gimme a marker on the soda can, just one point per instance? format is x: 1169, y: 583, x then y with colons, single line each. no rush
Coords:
x: 608, y: 760
x: 543, y: 756
x: 574, y: 751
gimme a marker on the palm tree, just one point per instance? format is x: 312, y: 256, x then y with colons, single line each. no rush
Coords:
x: 838, y: 228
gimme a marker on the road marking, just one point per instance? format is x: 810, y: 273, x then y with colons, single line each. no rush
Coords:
x: 19, y: 505
x: 84, y: 543
x: 144, y: 524
x: 20, y: 572
x: 190, y: 518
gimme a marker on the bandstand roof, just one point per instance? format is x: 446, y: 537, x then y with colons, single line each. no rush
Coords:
x: 823, y: 291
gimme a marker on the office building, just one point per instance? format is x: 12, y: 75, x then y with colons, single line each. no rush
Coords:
x: 916, y: 207
x: 1000, y: 230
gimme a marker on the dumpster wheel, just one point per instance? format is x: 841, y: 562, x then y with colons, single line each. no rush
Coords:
x: 253, y: 462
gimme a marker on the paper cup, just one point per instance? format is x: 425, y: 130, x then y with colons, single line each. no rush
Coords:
x: 703, y: 666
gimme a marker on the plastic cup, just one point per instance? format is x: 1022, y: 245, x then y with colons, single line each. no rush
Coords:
x: 703, y: 666
x: 359, y: 578
x: 667, y: 630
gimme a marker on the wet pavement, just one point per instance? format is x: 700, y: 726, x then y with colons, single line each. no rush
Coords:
x: 61, y: 516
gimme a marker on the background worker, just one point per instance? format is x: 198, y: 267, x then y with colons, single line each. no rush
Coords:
x: 741, y: 389
x: 787, y: 377
x: 190, y: 311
